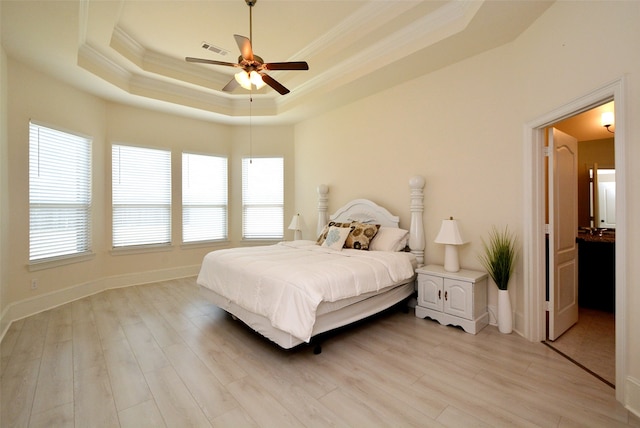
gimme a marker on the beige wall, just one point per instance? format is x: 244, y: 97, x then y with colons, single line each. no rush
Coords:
x: 462, y: 129
x: 33, y: 95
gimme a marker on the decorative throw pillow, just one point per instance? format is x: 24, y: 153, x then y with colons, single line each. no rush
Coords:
x: 323, y: 234
x: 389, y: 239
x: 335, y: 237
x: 361, y: 236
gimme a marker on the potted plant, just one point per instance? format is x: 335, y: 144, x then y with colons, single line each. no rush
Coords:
x: 499, y: 259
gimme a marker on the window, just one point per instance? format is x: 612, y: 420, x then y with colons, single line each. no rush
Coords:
x: 141, y: 193
x: 262, y: 198
x: 204, y: 198
x: 59, y: 193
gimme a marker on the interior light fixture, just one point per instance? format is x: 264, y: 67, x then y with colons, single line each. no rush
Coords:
x: 243, y: 79
x: 247, y: 79
x: 256, y: 79
x: 607, y: 120
x: 450, y: 236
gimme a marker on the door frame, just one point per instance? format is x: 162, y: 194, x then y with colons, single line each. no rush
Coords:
x: 534, y: 259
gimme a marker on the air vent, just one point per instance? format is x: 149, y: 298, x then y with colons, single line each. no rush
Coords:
x: 215, y: 49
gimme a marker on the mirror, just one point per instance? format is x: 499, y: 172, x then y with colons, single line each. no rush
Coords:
x: 602, y: 197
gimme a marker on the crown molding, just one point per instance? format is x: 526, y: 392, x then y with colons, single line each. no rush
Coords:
x: 140, y: 71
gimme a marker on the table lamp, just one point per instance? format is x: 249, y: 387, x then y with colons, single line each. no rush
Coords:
x: 296, y: 226
x: 449, y: 235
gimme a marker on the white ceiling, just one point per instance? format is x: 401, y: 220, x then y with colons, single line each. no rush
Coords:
x: 132, y: 51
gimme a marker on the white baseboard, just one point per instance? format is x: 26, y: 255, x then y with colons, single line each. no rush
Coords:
x: 632, y: 395
x: 33, y: 305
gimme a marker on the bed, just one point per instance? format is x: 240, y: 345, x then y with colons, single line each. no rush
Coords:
x: 292, y: 292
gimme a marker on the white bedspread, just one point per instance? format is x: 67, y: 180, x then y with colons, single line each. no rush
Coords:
x: 286, y: 282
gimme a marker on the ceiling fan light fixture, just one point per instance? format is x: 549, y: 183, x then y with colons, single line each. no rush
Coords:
x: 256, y: 79
x: 243, y: 79
x: 251, y: 65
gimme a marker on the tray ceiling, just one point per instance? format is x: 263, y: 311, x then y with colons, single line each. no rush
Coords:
x: 133, y: 52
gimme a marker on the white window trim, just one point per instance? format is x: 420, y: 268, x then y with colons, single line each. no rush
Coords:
x: 87, y: 254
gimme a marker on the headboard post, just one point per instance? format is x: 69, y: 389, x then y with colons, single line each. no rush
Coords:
x: 323, y: 207
x: 416, y: 231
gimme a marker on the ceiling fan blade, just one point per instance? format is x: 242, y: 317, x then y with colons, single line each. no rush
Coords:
x: 229, y: 87
x: 274, y: 84
x: 245, y: 47
x: 211, y: 61
x: 294, y: 65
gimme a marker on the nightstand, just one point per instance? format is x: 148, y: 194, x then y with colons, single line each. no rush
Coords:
x: 455, y: 298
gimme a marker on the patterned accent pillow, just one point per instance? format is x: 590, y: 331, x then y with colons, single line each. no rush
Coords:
x: 336, y: 237
x: 361, y: 235
x: 323, y: 234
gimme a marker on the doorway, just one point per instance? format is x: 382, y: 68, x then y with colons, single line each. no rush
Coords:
x: 534, y: 258
x: 583, y: 328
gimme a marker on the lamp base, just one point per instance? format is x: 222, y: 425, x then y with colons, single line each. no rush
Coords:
x: 297, y: 235
x: 451, y: 263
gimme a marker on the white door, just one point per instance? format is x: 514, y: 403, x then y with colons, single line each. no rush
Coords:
x: 563, y: 249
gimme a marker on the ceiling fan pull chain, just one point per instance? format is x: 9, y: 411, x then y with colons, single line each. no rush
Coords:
x: 250, y: 129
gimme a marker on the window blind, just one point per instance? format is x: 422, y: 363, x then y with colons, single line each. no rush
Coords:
x: 141, y: 195
x: 263, y: 198
x: 204, y: 197
x: 59, y: 193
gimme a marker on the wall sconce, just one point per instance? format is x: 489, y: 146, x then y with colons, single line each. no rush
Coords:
x: 296, y: 225
x: 449, y: 235
x: 607, y: 120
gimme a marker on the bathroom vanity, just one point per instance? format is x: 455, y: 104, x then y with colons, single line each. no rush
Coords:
x: 596, y: 269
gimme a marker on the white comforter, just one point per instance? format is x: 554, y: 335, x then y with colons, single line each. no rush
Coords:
x: 286, y: 282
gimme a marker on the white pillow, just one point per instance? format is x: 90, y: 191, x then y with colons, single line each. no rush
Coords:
x: 336, y: 236
x: 389, y: 239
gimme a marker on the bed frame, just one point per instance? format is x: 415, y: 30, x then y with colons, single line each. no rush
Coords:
x: 331, y: 316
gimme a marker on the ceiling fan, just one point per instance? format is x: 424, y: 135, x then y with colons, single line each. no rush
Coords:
x: 253, y: 67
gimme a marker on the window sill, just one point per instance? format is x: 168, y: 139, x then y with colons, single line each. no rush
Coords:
x: 141, y: 249
x: 256, y: 242
x: 59, y: 261
x: 205, y: 244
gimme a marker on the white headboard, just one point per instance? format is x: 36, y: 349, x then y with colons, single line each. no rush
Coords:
x: 366, y: 211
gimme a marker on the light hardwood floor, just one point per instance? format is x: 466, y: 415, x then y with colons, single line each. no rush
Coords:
x: 161, y: 355
x: 591, y: 343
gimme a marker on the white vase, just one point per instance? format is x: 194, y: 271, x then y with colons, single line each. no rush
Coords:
x: 505, y: 317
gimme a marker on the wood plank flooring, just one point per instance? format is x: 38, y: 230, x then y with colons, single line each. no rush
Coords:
x: 592, y: 343
x: 160, y: 355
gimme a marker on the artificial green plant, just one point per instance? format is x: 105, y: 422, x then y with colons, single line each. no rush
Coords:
x: 499, y: 256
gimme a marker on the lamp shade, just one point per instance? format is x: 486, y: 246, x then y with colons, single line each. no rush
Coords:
x: 606, y: 119
x: 296, y: 225
x: 243, y: 79
x: 256, y: 79
x: 449, y: 233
